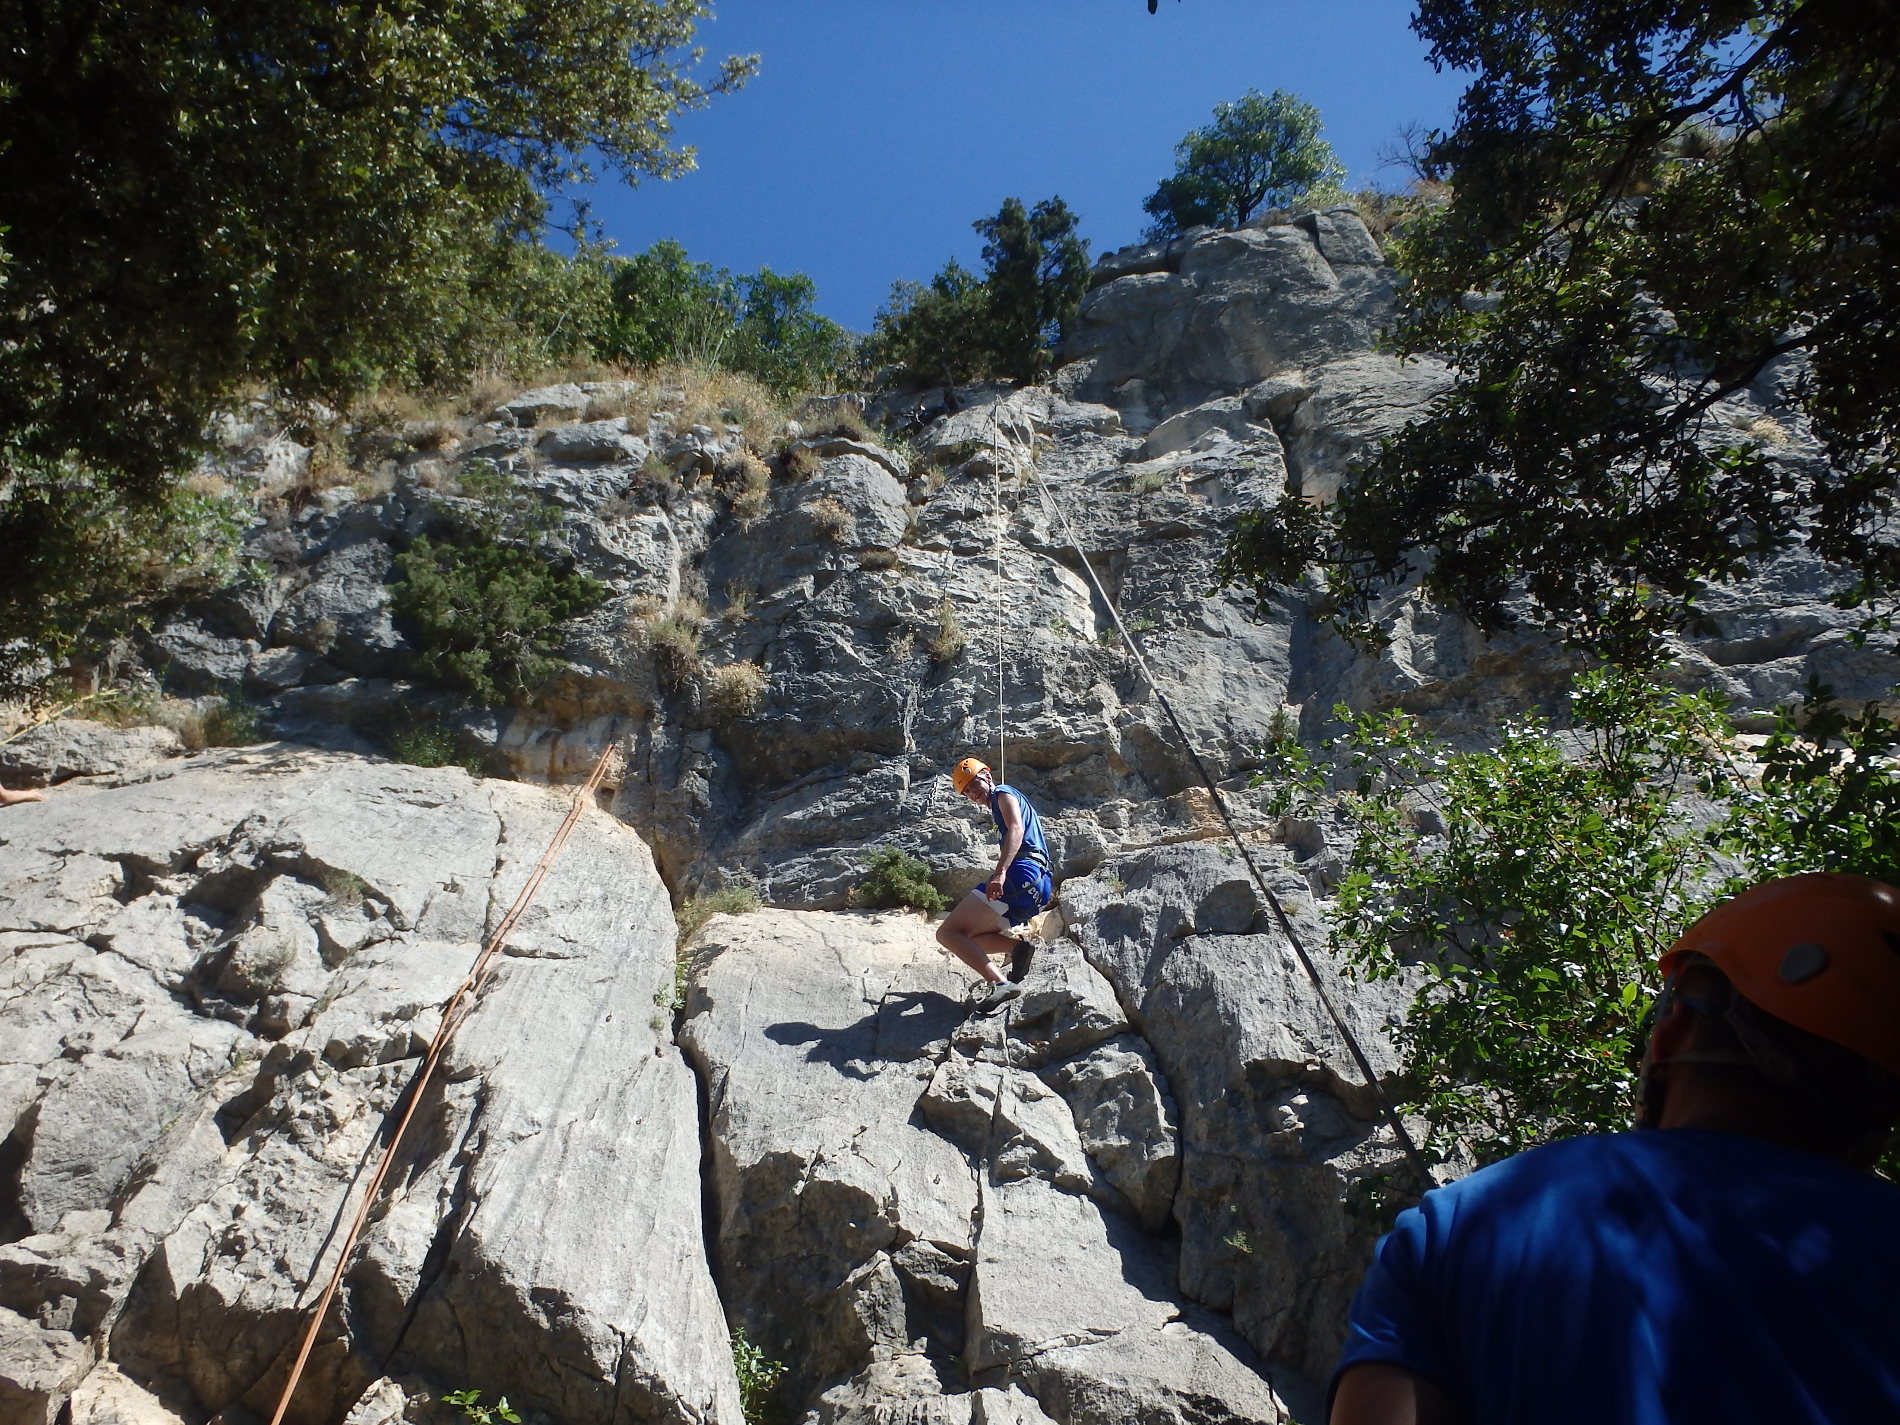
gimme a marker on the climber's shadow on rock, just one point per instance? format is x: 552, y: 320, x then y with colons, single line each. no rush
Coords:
x: 903, y: 1027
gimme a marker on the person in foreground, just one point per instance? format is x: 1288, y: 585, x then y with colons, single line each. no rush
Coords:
x: 9, y: 797
x: 1018, y: 889
x: 1734, y: 1260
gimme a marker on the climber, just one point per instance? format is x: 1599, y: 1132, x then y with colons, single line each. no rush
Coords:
x: 11, y: 798
x: 1019, y: 888
x: 1735, y: 1262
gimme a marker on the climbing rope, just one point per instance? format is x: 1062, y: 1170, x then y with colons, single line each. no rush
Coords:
x: 996, y: 590
x: 457, y: 1009
x: 1386, y: 1109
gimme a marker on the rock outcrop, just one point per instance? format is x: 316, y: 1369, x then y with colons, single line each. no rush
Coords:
x: 966, y: 1204
x: 218, y: 981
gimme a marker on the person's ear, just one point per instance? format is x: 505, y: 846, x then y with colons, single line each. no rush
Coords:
x: 1674, y: 1031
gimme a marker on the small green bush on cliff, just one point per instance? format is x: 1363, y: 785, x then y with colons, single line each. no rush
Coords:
x: 758, y: 1378
x: 487, y: 592
x: 894, y: 880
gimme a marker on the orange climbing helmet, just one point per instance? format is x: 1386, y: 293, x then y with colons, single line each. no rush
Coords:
x: 1820, y: 951
x: 966, y: 772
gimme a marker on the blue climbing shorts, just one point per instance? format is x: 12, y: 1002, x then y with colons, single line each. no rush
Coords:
x: 1027, y: 891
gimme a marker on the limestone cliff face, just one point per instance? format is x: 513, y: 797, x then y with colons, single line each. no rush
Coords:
x: 1126, y: 1200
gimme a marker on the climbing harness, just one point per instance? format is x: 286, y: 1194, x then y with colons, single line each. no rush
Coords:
x: 456, y: 1010
x: 1351, y: 1041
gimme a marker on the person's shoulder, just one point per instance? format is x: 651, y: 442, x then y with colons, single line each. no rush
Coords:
x: 1567, y: 1161
x: 1660, y: 1160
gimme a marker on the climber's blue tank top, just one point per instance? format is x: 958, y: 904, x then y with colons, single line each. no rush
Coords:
x: 1034, y: 847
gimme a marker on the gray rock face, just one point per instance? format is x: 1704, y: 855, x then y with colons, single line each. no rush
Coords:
x: 1276, y: 1122
x: 592, y: 442
x: 1343, y: 409
x: 917, y: 1183
x: 218, y: 981
x: 77, y: 747
x: 1231, y: 309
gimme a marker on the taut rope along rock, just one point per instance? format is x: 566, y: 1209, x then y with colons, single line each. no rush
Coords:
x: 1054, y: 508
x: 1412, y: 1154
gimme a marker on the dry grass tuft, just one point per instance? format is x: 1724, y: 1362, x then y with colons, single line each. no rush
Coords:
x: 674, y: 644
x: 833, y: 416
x: 671, y: 636
x: 739, y: 596
x: 747, y: 482
x: 736, y: 690
x: 831, y: 519
x: 948, y: 641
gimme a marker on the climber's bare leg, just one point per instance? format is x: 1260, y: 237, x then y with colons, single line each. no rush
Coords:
x: 973, y: 932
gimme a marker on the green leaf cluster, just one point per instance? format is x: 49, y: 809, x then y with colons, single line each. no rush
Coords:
x: 487, y: 592
x: 960, y: 327
x: 895, y: 880
x: 1261, y: 151
x: 667, y: 308
x: 469, y: 1402
x: 309, y: 195
x: 1655, y: 211
x: 758, y: 1377
x: 1535, y: 884
x: 83, y: 557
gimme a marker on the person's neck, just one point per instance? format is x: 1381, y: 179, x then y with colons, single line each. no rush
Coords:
x: 1722, y: 1104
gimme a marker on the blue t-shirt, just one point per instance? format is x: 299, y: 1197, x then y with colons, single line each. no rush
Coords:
x: 1656, y: 1278
x: 1032, y: 824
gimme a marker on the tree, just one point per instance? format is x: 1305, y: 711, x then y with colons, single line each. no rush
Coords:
x: 1674, y: 215
x: 1261, y: 150
x: 314, y: 196
x: 1006, y: 323
x: 934, y: 334
x: 782, y: 340
x: 1532, y: 887
x: 666, y: 307
x: 1038, y: 275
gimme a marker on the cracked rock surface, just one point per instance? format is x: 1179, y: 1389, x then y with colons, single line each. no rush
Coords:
x: 1128, y: 1197
x: 962, y: 1204
x: 217, y: 983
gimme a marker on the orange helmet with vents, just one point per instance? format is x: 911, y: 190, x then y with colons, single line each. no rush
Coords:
x: 1821, y: 951
x: 966, y: 772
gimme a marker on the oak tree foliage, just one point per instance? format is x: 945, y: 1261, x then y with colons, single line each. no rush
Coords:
x: 1528, y: 889
x: 664, y: 307
x: 1664, y: 219
x: 1262, y: 150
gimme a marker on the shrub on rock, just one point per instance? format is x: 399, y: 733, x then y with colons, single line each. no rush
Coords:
x: 894, y: 880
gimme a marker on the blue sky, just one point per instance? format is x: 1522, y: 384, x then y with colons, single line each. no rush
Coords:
x: 875, y: 132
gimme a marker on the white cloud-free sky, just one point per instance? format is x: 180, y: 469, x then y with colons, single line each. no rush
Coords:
x: 877, y: 130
